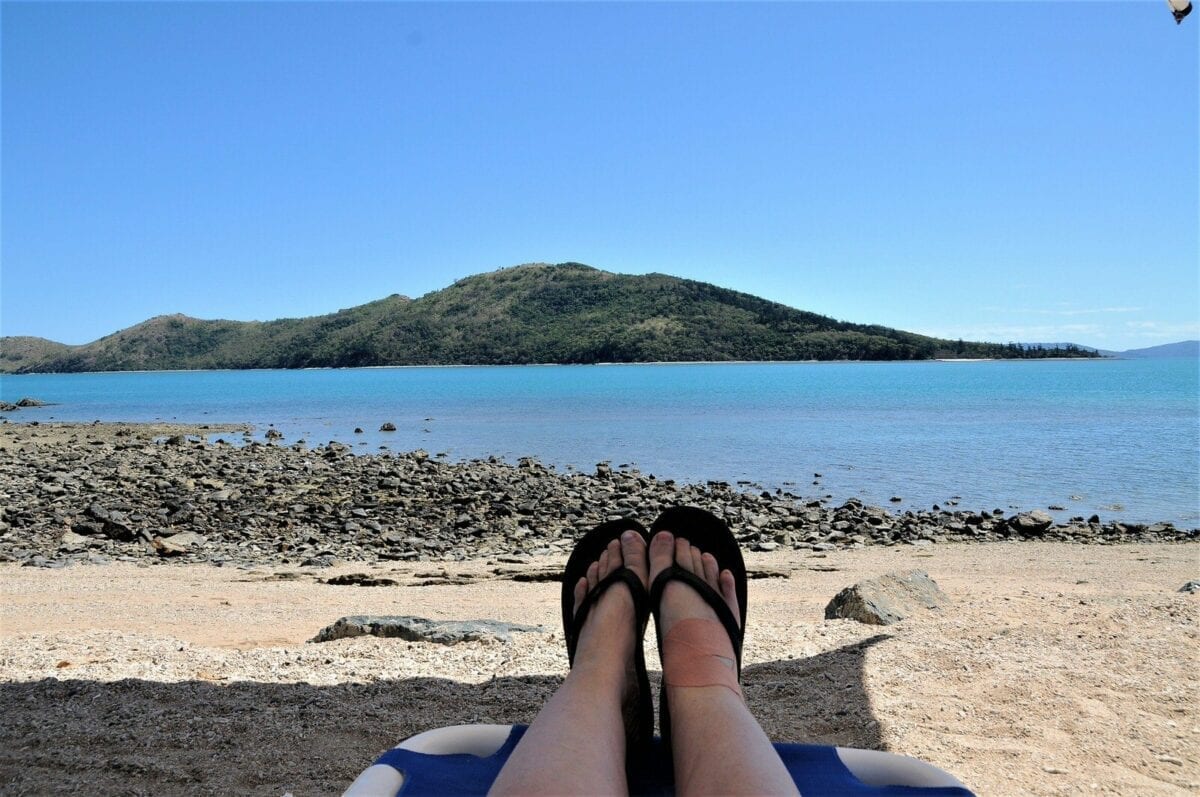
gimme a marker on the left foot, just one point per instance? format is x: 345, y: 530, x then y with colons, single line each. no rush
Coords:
x: 609, y: 636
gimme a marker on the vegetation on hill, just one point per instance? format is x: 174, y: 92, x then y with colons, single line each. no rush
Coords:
x: 569, y: 313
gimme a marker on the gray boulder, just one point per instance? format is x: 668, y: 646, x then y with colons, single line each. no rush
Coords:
x: 70, y: 541
x: 1034, y: 522
x: 178, y: 544
x: 419, y: 629
x: 888, y: 599
x: 1191, y: 586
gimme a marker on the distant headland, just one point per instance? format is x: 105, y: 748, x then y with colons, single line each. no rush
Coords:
x: 568, y: 313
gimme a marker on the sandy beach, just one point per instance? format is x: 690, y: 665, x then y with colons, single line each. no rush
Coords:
x: 1058, y: 668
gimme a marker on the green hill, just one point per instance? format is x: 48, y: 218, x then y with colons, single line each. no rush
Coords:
x: 568, y: 313
x: 20, y: 354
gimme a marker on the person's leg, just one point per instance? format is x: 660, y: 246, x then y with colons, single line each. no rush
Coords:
x: 717, y: 745
x: 576, y: 743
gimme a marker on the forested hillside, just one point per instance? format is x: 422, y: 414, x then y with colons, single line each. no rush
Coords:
x: 568, y: 313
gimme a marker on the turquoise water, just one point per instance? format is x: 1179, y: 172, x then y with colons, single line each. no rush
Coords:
x: 1118, y: 438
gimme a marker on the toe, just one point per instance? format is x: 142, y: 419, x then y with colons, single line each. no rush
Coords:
x: 633, y: 554
x: 729, y: 591
x: 610, y: 560
x: 697, y: 561
x: 711, y: 572
x: 662, y: 553
x: 602, y: 565
x: 683, y: 554
x: 593, y: 575
x: 581, y: 588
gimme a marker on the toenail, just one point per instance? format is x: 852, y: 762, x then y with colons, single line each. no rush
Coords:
x: 628, y: 535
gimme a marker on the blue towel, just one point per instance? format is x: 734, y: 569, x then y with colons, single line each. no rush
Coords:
x: 817, y: 770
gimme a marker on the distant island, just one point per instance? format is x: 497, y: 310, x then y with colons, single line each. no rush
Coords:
x: 568, y: 313
x: 1184, y: 348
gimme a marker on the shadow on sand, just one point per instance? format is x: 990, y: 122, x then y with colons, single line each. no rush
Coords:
x: 137, y: 737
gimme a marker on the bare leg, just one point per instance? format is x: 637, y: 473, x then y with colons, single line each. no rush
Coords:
x: 576, y: 743
x: 717, y: 745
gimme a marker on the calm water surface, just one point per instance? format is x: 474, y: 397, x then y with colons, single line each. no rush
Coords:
x: 1119, y: 438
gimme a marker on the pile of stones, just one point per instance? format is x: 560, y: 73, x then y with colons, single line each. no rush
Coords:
x: 98, y: 497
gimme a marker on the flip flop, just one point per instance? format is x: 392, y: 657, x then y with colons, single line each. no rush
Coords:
x: 639, y: 730
x: 711, y: 535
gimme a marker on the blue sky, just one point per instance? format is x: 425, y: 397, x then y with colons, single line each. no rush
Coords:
x: 994, y: 171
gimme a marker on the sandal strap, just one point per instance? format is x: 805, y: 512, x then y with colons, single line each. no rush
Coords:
x: 708, y: 594
x: 641, y: 605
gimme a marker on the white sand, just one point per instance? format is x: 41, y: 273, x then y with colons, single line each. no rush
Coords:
x: 1059, y: 669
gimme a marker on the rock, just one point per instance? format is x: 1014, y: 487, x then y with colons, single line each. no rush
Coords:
x: 30, y: 402
x: 888, y: 599
x: 70, y: 541
x: 88, y: 527
x: 895, y: 499
x: 117, y: 528
x: 767, y: 572
x: 388, y: 427
x: 1191, y: 586
x: 8, y: 406
x: 419, y: 629
x: 96, y: 512
x: 1056, y: 508
x: 176, y: 440
x: 358, y: 430
x: 178, y: 544
x: 1035, y: 522
x: 360, y: 580
x: 529, y: 575
x: 274, y: 434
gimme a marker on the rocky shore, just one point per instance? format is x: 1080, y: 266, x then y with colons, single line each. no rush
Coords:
x: 104, y: 492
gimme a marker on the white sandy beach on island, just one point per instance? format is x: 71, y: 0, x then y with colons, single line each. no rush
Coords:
x: 1059, y: 669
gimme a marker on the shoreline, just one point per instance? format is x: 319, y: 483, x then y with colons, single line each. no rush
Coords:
x: 102, y: 492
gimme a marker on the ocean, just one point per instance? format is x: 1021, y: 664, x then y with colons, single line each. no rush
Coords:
x: 1118, y: 438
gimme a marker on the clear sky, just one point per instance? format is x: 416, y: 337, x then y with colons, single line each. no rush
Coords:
x: 993, y: 171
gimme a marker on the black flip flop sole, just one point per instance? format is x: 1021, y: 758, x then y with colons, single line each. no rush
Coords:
x: 586, y: 551
x: 640, y: 733
x: 710, y: 534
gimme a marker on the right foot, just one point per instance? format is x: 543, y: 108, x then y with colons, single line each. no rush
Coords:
x: 679, y: 600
